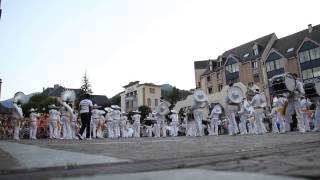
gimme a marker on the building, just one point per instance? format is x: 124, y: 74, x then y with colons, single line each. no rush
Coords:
x: 256, y: 62
x: 136, y: 95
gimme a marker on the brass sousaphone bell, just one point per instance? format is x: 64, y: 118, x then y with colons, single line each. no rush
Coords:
x: 235, y: 94
x: 200, y: 98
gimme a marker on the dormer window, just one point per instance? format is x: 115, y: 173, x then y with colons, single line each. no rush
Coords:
x: 255, y: 50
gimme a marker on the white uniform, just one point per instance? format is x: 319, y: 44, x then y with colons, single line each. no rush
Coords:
x: 244, y: 116
x: 95, y: 119
x: 232, y: 108
x: 273, y: 115
x: 214, y: 123
x: 17, y: 115
x: 305, y: 105
x: 198, y: 117
x: 317, y: 118
x: 74, y: 126
x: 33, y: 125
x: 116, y: 122
x: 54, y: 117
x: 109, y: 120
x: 294, y: 105
x: 256, y: 102
x: 136, y: 125
x: 123, y: 126
x: 66, y: 118
x: 174, y: 123
x: 280, y: 117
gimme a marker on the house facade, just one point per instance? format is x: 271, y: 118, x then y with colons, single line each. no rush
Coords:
x: 136, y: 95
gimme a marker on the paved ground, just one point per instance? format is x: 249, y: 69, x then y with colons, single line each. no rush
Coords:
x: 291, y: 155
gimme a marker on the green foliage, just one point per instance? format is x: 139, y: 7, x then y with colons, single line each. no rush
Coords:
x: 175, y: 95
x: 40, y: 102
x: 86, y: 86
x: 145, y: 110
x: 116, y: 100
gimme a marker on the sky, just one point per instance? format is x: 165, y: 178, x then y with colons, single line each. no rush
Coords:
x: 47, y: 42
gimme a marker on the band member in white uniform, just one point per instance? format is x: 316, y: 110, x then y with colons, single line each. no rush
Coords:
x: 17, y: 116
x: 123, y: 125
x: 294, y: 105
x: 95, y: 119
x: 66, y: 118
x: 305, y: 106
x: 109, y: 120
x: 280, y: 105
x: 273, y: 116
x: 214, y: 120
x: 246, y: 111
x: 136, y: 123
x: 199, y: 102
x: 257, y: 102
x: 232, y: 109
x: 54, y: 117
x: 33, y: 123
x: 174, y: 123
x: 317, y: 117
x: 74, y: 125
x: 116, y: 120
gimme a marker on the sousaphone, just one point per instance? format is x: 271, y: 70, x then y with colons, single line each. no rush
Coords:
x: 235, y: 94
x: 200, y: 98
x: 163, y: 108
x: 20, y: 98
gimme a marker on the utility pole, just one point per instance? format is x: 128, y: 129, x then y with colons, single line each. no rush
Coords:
x: 0, y: 9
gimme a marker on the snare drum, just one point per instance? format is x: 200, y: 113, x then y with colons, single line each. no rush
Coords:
x: 283, y: 83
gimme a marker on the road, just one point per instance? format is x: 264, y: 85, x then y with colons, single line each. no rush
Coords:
x: 292, y: 155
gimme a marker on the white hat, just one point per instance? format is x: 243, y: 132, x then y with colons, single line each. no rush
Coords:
x: 52, y: 106
x: 123, y: 113
x: 32, y: 110
x: 136, y: 112
x: 95, y: 106
x: 173, y: 111
x: 115, y: 107
x: 108, y: 109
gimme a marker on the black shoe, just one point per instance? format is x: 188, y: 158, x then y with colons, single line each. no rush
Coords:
x: 79, y: 136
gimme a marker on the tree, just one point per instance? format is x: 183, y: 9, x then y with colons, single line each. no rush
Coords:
x: 40, y: 102
x: 145, y: 110
x: 86, y: 86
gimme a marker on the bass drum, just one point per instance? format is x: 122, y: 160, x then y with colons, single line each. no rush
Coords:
x: 283, y: 83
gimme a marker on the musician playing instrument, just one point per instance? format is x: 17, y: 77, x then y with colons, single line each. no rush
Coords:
x: 294, y: 106
x: 199, y: 102
x: 245, y: 112
x: 258, y: 102
x: 96, y: 120
x: 123, y: 125
x: 116, y: 120
x: 33, y: 123
x: 136, y: 123
x: 54, y: 117
x: 214, y: 120
x: 108, y: 118
x: 273, y: 116
x: 281, y: 105
x: 174, y: 123
x: 17, y: 114
x: 232, y: 108
x: 305, y: 106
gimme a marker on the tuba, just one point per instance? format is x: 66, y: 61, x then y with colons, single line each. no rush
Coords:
x: 163, y: 109
x: 200, y: 98
x: 20, y: 98
x: 68, y: 96
x: 235, y: 94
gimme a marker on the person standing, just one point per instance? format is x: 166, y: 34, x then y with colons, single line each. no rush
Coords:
x: 214, y: 120
x: 136, y: 123
x: 108, y: 118
x: 33, y: 123
x: 123, y: 125
x: 305, y: 106
x: 85, y: 107
x: 17, y: 116
x: 54, y: 117
x: 174, y: 123
x: 294, y: 106
x: 257, y: 102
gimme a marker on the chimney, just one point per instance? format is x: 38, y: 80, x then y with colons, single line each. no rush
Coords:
x: 310, y: 28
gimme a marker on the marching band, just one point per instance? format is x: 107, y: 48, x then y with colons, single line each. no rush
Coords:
x: 243, y: 115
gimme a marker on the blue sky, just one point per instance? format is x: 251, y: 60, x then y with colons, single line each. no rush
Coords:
x: 47, y: 42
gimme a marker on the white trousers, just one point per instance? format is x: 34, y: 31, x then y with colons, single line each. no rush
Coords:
x: 110, y: 129
x: 294, y: 107
x: 232, y: 127
x: 174, y: 126
x: 198, y: 116
x: 191, y: 128
x: 306, y: 121
x: 136, y: 129
x: 243, y: 124
x: 73, y: 129
x: 16, y: 130
x: 95, y: 125
x: 33, y: 130
x: 214, y: 124
x: 53, y: 129
x: 66, y: 128
x: 123, y: 131
x: 116, y: 128
x: 259, y: 123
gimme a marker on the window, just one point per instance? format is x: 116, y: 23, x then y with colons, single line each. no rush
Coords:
x: 220, y: 87
x: 156, y: 102
x: 276, y: 64
x: 254, y: 64
x: 304, y: 56
x: 208, y: 78
x: 210, y: 90
x: 232, y: 68
x: 316, y: 72
x: 149, y: 101
x: 151, y: 90
x: 256, y: 78
x: 311, y: 73
x: 255, y: 50
x: 317, y: 50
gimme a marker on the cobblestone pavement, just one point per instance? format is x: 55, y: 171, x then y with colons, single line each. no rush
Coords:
x: 292, y: 154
